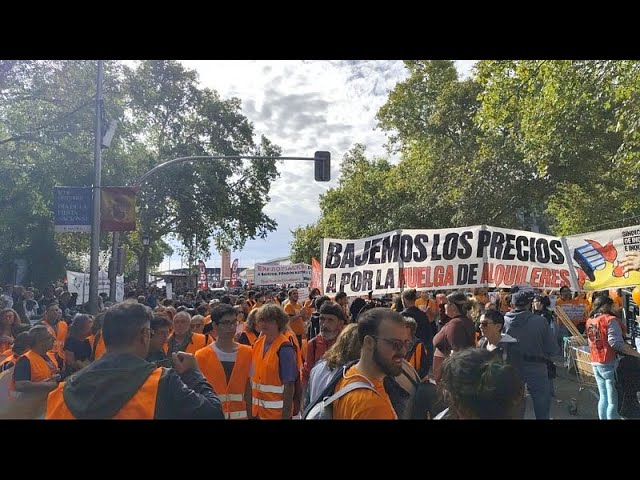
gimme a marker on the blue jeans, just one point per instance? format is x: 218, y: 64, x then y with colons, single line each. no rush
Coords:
x: 605, y: 374
x: 537, y: 379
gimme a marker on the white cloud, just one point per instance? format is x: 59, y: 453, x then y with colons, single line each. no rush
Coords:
x: 304, y: 106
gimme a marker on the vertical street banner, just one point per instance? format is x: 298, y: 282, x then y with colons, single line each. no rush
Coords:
x: 72, y: 209
x: 316, y: 275
x: 203, y: 283
x: 596, y: 258
x: 118, y: 209
x: 234, y: 274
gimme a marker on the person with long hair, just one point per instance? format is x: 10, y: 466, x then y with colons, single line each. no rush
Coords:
x: 457, y: 334
x: 475, y: 384
x: 605, y: 341
x: 9, y: 321
x: 345, y: 349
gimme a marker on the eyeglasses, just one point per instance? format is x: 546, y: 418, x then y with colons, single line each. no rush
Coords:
x: 396, y: 344
x: 228, y: 324
x: 484, y: 323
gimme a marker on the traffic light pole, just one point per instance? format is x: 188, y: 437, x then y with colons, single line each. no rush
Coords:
x: 322, y: 174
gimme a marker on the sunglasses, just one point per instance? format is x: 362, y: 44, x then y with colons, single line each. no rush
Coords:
x: 484, y: 323
x: 396, y: 344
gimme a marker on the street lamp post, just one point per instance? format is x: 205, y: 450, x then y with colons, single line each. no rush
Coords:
x: 322, y: 171
x: 95, y: 224
x: 142, y: 282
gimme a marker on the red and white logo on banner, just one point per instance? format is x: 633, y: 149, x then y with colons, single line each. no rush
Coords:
x: 203, y: 283
x: 234, y: 274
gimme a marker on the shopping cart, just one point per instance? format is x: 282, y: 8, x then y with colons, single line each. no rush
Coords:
x: 584, y: 370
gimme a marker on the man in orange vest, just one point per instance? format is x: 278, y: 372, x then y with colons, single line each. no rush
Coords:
x: 183, y: 339
x: 226, y: 364
x: 275, y: 369
x: 296, y: 315
x: 122, y: 385
x: 37, y: 370
x: 58, y: 329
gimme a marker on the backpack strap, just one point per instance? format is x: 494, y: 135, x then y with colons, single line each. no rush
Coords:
x: 96, y: 339
x: 349, y: 388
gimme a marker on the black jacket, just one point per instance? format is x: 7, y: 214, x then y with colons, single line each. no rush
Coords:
x: 100, y: 390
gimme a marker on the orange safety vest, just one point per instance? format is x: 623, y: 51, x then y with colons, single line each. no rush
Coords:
x: 251, y: 336
x: 98, y: 348
x: 416, y: 356
x: 231, y: 393
x: 198, y: 341
x: 141, y: 406
x: 40, y: 369
x: 267, y: 390
x: 294, y: 340
x: 60, y: 336
x: 13, y: 358
x: 597, y: 330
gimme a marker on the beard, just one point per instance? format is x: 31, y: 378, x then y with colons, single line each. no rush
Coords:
x: 388, y: 367
x: 327, y: 335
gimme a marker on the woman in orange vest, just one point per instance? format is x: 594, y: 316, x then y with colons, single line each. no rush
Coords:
x: 58, y: 329
x: 226, y: 364
x: 183, y: 339
x: 605, y: 340
x: 130, y: 387
x: 250, y: 334
x: 275, y: 370
x: 21, y: 344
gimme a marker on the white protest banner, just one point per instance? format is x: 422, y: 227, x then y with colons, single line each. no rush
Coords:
x: 78, y: 282
x: 596, y: 258
x: 517, y: 257
x: 169, y: 286
x: 303, y: 295
x: 282, y: 274
x: 465, y: 257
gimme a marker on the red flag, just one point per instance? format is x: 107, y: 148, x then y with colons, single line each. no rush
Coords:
x: 203, y: 283
x: 316, y: 275
x: 234, y: 274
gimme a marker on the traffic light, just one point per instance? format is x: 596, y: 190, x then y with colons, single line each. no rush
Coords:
x: 323, y: 166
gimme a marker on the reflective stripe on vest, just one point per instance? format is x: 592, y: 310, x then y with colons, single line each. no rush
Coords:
x: 267, y: 387
x: 231, y: 397
x: 235, y: 415
x: 269, y: 404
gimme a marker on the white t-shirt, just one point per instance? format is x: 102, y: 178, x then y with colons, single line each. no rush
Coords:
x: 229, y: 357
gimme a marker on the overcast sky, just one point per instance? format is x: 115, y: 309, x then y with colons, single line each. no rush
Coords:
x: 303, y: 106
